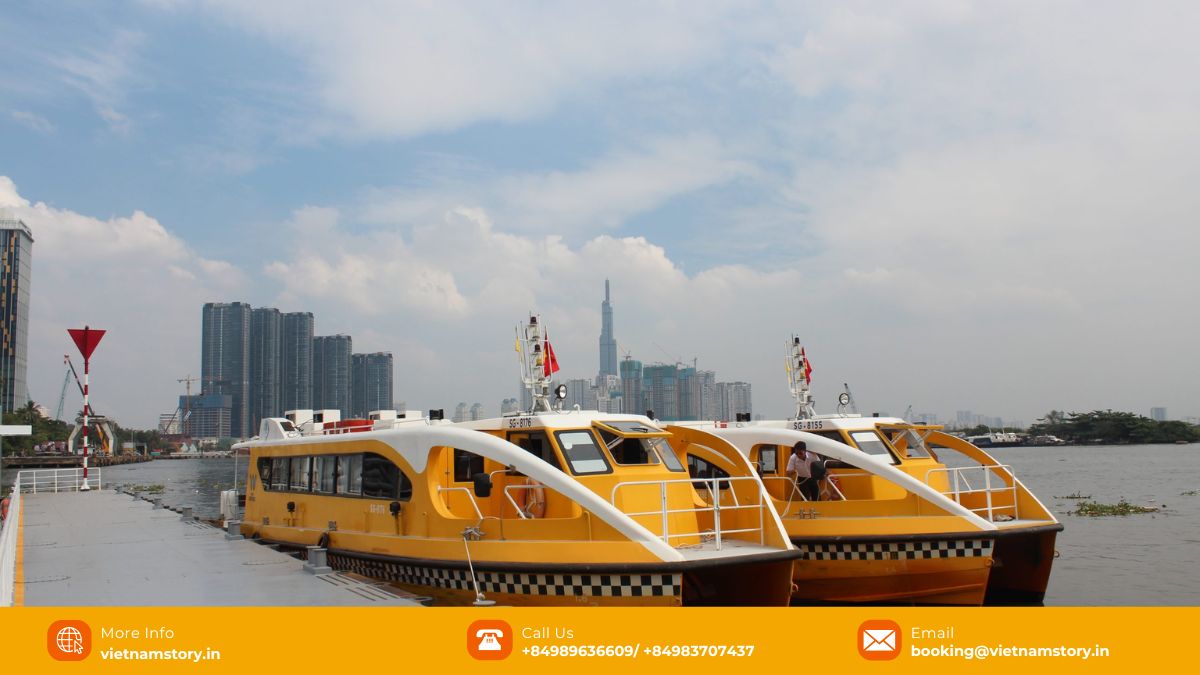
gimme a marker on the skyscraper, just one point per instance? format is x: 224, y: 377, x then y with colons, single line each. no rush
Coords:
x: 17, y: 240
x: 660, y: 387
x: 734, y: 398
x: 224, y: 359
x: 266, y: 365
x: 370, y: 383
x: 331, y: 373
x: 296, y: 361
x: 608, y: 343
x: 631, y: 387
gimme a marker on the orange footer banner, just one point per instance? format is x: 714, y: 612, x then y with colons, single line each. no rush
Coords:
x: 234, y: 639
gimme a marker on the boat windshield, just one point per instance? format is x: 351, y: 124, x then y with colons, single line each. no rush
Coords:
x: 581, y: 452
x: 870, y: 443
x: 639, y: 450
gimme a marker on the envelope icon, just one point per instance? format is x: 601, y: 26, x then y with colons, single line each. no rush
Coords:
x: 879, y: 640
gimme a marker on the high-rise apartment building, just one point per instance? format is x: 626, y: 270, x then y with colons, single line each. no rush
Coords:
x: 1158, y: 414
x: 476, y: 413
x: 266, y: 365
x: 296, y: 361
x: 331, y: 373
x: 734, y: 398
x: 660, y: 388
x: 460, y: 412
x: 370, y: 383
x: 17, y: 241
x: 509, y: 405
x: 224, y: 360
x: 608, y: 343
x: 631, y: 387
x: 207, y: 416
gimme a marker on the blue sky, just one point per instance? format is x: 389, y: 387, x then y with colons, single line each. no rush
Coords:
x: 955, y: 205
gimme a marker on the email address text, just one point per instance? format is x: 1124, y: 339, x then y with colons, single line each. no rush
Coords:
x: 983, y: 651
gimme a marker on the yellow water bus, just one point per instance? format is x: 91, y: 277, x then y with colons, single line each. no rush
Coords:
x: 878, y: 536
x: 543, y: 508
x: 949, y: 525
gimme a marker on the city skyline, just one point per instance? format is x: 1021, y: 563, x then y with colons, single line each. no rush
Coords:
x: 955, y: 207
x: 257, y: 362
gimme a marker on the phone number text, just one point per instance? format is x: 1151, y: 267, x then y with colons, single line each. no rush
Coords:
x: 633, y: 651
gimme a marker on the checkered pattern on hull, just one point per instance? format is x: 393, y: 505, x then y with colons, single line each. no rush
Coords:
x: 910, y: 550
x: 571, y: 585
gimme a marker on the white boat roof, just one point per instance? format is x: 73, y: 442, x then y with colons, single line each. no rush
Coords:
x: 566, y: 419
x: 819, y: 423
x: 414, y: 441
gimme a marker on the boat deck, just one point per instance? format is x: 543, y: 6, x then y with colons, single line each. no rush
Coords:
x: 103, y: 548
x: 729, y: 547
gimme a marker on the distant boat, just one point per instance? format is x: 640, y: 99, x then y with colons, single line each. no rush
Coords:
x: 996, y: 439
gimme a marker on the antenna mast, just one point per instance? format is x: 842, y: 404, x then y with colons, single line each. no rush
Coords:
x: 531, y: 338
x: 799, y: 379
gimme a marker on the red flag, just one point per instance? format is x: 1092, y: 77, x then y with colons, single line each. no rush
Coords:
x: 807, y: 366
x: 550, y: 365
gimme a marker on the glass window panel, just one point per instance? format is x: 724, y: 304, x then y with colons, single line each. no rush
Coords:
x: 300, y: 475
x: 579, y: 447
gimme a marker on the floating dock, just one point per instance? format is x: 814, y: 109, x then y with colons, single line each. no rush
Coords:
x: 104, y: 548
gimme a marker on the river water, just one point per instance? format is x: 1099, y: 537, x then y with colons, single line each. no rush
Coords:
x: 1147, y: 559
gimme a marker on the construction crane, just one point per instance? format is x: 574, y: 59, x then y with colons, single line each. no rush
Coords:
x: 62, y: 395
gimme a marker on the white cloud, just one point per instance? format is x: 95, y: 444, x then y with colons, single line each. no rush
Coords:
x: 401, y: 69
x: 104, y: 73
x: 33, y: 121
x: 601, y: 195
x: 127, y: 275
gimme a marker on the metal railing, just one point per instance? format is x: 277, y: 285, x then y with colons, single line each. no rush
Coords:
x: 959, y: 482
x: 714, y: 487
x: 8, y: 550
x: 56, y: 480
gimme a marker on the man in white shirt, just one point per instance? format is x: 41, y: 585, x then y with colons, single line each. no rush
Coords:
x: 799, y: 469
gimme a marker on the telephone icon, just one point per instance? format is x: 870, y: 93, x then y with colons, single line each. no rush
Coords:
x: 489, y: 639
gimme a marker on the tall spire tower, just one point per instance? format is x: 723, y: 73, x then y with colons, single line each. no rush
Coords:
x: 608, y: 343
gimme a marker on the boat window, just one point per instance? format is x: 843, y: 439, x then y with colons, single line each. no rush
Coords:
x: 324, y: 470
x: 538, y: 445
x: 665, y: 452
x: 380, y: 478
x: 300, y: 478
x: 287, y: 425
x: 870, y: 443
x: 631, y: 427
x: 279, y: 473
x: 915, y: 448
x: 632, y: 451
x: 702, y: 468
x: 466, y: 465
x: 349, y: 481
x: 768, y: 458
x: 580, y: 450
x: 264, y: 470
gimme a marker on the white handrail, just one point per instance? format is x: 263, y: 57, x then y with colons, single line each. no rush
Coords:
x: 56, y: 480
x: 470, y: 497
x: 8, y: 549
x: 713, y: 485
x: 959, y: 478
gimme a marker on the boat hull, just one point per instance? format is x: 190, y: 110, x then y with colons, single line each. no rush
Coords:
x: 1023, y: 561
x: 761, y: 580
x: 933, y: 570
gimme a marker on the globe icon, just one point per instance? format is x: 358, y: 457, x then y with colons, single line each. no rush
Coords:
x: 70, y: 640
